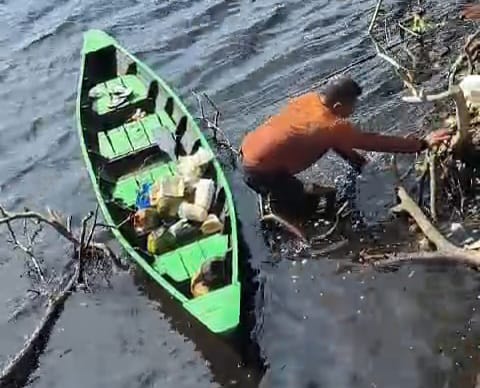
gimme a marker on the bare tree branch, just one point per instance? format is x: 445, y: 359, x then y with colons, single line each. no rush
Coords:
x: 375, y: 14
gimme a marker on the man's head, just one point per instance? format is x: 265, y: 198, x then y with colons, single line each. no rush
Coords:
x: 341, y: 96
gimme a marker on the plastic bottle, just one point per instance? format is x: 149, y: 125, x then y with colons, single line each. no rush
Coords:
x: 204, y: 192
x: 171, y: 187
x: 470, y: 86
x: 188, y: 169
x: 211, y: 225
x: 192, y: 212
x: 160, y: 241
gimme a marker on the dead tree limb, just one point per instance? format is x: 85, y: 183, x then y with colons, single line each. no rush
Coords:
x: 433, y: 184
x: 17, y: 371
x: 407, y: 204
x: 53, y: 220
x: 446, y: 251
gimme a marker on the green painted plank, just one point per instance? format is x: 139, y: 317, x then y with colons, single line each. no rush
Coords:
x: 152, y: 126
x: 163, y: 170
x: 192, y: 258
x: 105, y: 146
x: 126, y: 188
x: 214, y: 246
x: 126, y: 191
x: 144, y: 177
x: 121, y: 145
x: 171, y: 264
x: 187, y: 260
x: 137, y: 135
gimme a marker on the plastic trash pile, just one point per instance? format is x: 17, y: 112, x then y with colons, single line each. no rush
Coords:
x: 176, y: 209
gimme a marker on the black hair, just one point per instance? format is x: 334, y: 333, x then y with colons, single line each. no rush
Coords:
x: 343, y: 90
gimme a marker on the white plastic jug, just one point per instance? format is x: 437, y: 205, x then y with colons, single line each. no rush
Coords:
x: 470, y: 86
x: 188, y: 170
x: 202, y: 156
x: 204, y: 192
x: 192, y: 212
x: 211, y: 225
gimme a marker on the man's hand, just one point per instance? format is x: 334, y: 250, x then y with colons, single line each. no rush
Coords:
x: 471, y: 12
x: 436, y: 137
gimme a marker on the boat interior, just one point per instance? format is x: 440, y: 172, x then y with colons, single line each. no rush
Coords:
x: 126, y: 153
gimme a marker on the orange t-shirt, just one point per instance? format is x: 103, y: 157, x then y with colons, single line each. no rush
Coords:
x: 303, y: 131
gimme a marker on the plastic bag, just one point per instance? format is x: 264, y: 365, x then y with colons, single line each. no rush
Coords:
x: 470, y: 86
x: 145, y: 220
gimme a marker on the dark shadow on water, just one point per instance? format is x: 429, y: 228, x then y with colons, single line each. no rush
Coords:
x: 235, y: 359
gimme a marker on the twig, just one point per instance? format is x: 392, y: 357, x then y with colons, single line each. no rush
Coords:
x: 433, y: 185
x: 217, y: 111
x: 330, y: 248
x: 69, y: 224
x: 82, y: 246
x: 27, y: 250
x: 330, y: 231
x: 53, y: 221
x: 199, y: 102
x: 214, y: 125
x: 421, y: 97
x: 94, y: 225
x: 421, y: 182
x: 287, y: 225
x: 375, y: 14
x: 409, y: 31
x: 402, y: 71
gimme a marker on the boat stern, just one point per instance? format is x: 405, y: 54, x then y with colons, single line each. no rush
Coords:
x: 219, y: 310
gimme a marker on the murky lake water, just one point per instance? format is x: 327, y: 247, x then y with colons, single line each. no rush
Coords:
x: 417, y: 327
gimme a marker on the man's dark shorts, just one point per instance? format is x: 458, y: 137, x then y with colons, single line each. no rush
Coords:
x: 287, y: 193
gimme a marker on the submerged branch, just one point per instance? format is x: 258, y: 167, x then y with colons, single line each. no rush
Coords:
x: 17, y: 371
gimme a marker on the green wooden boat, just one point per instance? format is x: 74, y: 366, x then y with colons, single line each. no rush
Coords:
x: 121, y: 155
